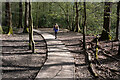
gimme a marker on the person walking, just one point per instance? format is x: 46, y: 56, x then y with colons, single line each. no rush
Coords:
x: 56, y: 29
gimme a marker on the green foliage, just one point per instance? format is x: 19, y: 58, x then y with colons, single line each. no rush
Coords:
x: 46, y: 14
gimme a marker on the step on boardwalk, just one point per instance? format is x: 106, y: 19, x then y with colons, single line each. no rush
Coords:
x: 60, y: 63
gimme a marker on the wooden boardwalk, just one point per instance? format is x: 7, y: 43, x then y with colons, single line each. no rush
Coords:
x: 60, y: 63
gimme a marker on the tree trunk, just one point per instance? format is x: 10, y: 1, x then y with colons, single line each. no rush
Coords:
x: 37, y: 15
x: 84, y: 27
x: 77, y: 28
x: 107, y: 22
x: 26, y: 18
x: 1, y: 30
x: 119, y: 49
x: 118, y: 21
x: 6, y: 14
x: 73, y: 18
x: 84, y: 32
x: 31, y: 41
x: 67, y: 16
x: 39, y: 8
x: 9, y: 18
x: 20, y: 15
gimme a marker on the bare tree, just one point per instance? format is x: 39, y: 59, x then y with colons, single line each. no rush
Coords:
x: 31, y: 41
x: 118, y: 20
x: 26, y: 17
x: 119, y: 49
x: 84, y: 27
x: 107, y: 22
x: 77, y: 27
x: 37, y: 21
x: 20, y: 15
x: 8, y: 18
x: 1, y: 30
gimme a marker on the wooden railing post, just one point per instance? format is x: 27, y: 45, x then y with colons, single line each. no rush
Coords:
x: 96, y: 52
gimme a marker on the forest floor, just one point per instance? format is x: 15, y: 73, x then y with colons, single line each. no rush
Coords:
x: 17, y: 60
x: 108, y: 68
x: 109, y: 61
x: 20, y: 62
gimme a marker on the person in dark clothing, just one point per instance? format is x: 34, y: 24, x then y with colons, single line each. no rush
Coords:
x: 56, y: 29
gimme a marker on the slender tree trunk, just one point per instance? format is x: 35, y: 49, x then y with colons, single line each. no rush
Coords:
x: 26, y: 18
x: 118, y: 21
x: 6, y: 14
x: 20, y: 15
x: 107, y: 22
x: 119, y: 49
x: 84, y: 33
x: 9, y: 18
x: 37, y: 16
x: 67, y: 15
x: 1, y: 30
x: 31, y: 41
x: 77, y: 28
x: 73, y: 18
x: 84, y: 27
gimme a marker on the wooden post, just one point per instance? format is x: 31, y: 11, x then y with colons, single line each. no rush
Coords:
x: 96, y: 52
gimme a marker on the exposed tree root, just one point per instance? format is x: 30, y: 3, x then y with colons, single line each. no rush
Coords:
x: 110, y: 56
x: 90, y: 66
